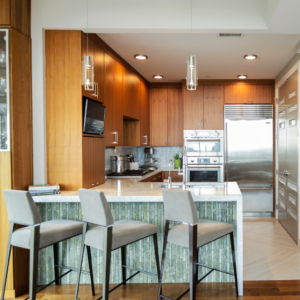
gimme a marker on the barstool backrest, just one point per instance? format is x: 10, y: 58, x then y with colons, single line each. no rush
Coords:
x: 21, y: 208
x: 95, y: 208
x: 179, y: 206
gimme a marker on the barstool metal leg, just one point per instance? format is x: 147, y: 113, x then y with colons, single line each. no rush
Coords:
x: 193, y: 259
x: 167, y: 224
x: 11, y: 230
x: 88, y: 250
x: 123, y: 259
x: 80, y: 259
x: 56, y: 262
x: 34, y: 254
x: 107, y: 244
x: 234, y: 263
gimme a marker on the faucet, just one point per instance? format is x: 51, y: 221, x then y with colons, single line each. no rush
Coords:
x: 170, y: 178
x: 184, y: 163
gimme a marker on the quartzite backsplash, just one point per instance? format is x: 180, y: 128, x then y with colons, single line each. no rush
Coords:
x: 162, y: 154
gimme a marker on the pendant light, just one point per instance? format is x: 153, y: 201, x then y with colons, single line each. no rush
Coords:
x: 88, y: 62
x: 191, y: 78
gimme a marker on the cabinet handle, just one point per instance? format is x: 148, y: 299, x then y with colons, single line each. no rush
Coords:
x: 117, y: 137
x: 169, y: 140
x: 166, y: 142
x: 93, y: 184
x: 97, y: 182
x: 115, y: 133
x: 96, y: 89
x: 146, y: 140
x: 154, y: 179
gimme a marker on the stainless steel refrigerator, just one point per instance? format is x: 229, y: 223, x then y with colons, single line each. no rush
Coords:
x: 249, y: 154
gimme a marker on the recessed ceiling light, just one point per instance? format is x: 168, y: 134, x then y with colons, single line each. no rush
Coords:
x: 242, y: 76
x: 158, y: 76
x: 250, y: 56
x: 141, y: 56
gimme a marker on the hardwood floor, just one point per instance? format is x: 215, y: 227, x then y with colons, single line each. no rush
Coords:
x: 269, y: 251
x: 253, y: 290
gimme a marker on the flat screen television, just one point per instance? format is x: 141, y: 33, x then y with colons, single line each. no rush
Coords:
x: 93, y: 116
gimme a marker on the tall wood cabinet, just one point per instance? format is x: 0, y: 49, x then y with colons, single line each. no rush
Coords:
x: 144, y: 115
x: 166, y: 117
x: 16, y: 161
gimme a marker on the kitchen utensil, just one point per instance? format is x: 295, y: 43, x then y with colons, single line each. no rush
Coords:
x: 130, y: 157
x: 133, y: 165
x: 118, y: 163
x: 150, y: 150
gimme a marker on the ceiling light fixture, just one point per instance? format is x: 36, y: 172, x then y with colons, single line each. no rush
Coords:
x: 250, y: 56
x: 88, y: 62
x: 141, y: 56
x: 191, y: 78
x: 158, y: 76
x: 242, y: 76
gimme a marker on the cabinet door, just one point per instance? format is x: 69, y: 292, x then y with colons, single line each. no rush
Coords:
x: 109, y: 96
x: 213, y: 107
x: 90, y: 50
x: 264, y: 94
x: 144, y: 115
x: 99, y: 71
x: 175, y: 128
x: 158, y: 117
x: 192, y: 108
x: 118, y: 103
x: 93, y: 159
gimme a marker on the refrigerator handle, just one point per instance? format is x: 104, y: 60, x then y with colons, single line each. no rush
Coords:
x: 226, y: 153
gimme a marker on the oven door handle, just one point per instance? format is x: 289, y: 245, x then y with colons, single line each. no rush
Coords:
x: 204, y: 140
x: 202, y: 167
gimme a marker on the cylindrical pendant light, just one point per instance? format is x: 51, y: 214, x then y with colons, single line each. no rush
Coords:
x: 88, y: 62
x: 191, y: 79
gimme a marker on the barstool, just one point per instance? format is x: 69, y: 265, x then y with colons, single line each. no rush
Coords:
x: 36, y: 236
x: 193, y: 233
x: 110, y: 236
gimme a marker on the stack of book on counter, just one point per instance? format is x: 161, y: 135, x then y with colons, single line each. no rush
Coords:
x: 44, y: 189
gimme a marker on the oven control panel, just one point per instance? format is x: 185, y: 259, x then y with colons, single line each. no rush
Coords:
x: 202, y: 134
x: 205, y: 160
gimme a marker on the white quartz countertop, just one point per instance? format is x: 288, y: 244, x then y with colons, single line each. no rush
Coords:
x: 132, y: 190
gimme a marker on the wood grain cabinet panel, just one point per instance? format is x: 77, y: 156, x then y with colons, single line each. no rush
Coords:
x: 159, y: 117
x: 264, y: 94
x: 99, y: 72
x: 5, y: 12
x: 213, y: 107
x: 144, y: 115
x: 192, y: 108
x: 175, y: 117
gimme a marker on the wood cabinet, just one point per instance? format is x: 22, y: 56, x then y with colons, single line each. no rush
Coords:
x: 166, y: 117
x: 174, y: 175
x: 248, y: 94
x: 192, y: 108
x: 144, y: 115
x: 93, y: 159
x: 213, y: 105
x: 154, y: 178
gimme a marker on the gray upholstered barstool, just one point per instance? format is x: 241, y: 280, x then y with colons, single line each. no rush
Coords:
x: 110, y: 236
x: 36, y: 236
x: 193, y: 233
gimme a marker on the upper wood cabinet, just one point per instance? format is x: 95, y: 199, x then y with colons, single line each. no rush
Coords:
x: 248, y: 94
x: 144, y: 115
x: 159, y: 117
x: 213, y: 107
x: 192, y: 108
x: 166, y: 117
x: 175, y: 117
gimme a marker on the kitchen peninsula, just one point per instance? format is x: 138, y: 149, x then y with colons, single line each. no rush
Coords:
x: 136, y: 200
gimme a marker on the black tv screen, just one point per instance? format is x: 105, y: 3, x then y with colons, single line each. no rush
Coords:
x: 93, y: 117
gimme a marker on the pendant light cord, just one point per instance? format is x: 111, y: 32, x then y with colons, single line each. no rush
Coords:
x: 87, y: 27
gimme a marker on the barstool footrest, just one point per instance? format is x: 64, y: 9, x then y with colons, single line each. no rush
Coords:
x: 216, y: 269
x: 114, y: 288
x: 72, y: 269
x: 142, y: 271
x: 188, y: 289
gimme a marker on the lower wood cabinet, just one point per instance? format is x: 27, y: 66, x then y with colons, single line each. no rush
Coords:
x: 154, y: 178
x: 174, y: 175
x: 93, y: 161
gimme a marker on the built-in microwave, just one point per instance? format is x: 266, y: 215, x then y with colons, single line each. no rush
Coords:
x: 205, y: 173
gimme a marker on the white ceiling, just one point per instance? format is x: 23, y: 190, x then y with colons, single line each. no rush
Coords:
x: 220, y: 58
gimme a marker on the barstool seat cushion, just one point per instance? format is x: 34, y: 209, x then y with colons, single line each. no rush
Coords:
x: 207, y: 231
x: 124, y: 232
x: 51, y: 232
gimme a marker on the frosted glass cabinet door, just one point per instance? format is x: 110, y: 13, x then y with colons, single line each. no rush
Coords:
x: 4, y: 92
